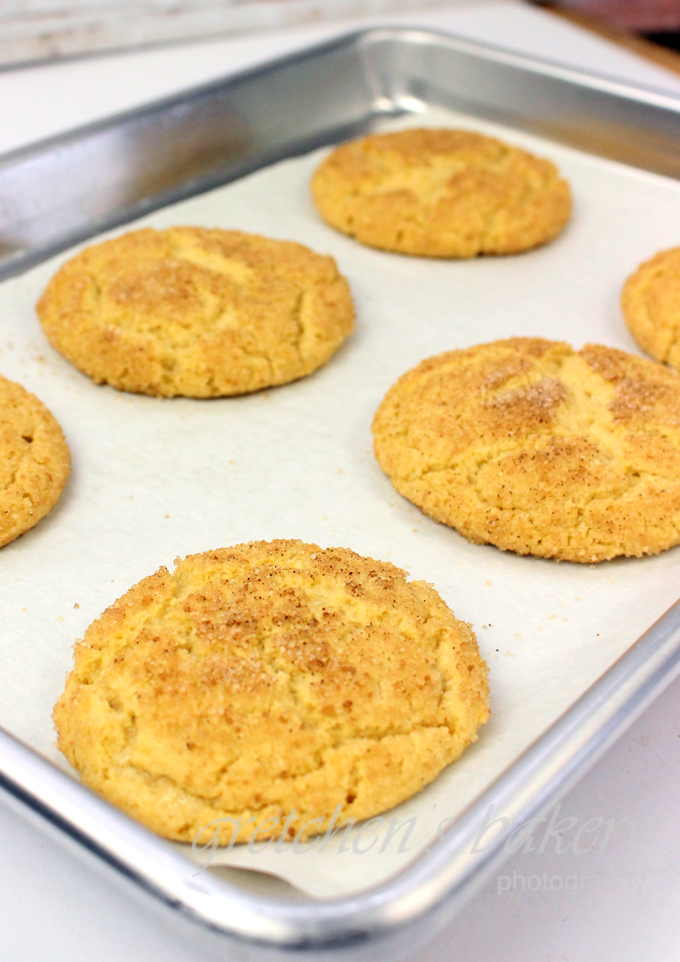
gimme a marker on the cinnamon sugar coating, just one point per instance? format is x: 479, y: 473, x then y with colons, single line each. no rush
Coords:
x: 266, y: 678
x: 536, y: 448
x: 196, y: 312
x: 441, y: 193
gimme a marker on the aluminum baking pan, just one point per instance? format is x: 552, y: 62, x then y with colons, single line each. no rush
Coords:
x: 76, y: 185
x: 70, y: 187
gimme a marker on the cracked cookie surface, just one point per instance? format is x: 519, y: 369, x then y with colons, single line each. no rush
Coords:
x: 266, y: 678
x: 196, y: 312
x: 533, y: 447
x: 441, y: 193
x: 34, y: 461
x: 651, y: 306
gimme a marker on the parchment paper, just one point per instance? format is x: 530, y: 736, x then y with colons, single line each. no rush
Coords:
x: 154, y: 479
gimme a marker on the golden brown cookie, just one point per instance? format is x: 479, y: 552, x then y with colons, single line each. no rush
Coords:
x: 535, y: 448
x: 441, y: 193
x: 268, y: 679
x: 196, y: 312
x: 34, y: 461
x: 651, y: 306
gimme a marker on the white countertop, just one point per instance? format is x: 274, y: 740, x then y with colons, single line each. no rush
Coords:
x: 619, y: 905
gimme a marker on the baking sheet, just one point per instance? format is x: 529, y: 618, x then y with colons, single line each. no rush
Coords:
x: 154, y: 479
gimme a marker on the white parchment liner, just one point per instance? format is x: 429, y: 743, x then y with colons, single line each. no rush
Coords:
x: 154, y: 479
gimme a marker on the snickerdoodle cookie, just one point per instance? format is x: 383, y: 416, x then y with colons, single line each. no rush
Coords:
x: 533, y: 447
x: 34, y: 461
x: 267, y: 680
x: 441, y: 193
x: 651, y: 306
x: 196, y: 312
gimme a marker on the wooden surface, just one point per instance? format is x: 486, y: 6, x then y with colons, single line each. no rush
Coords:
x: 644, y: 48
x: 35, y: 30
